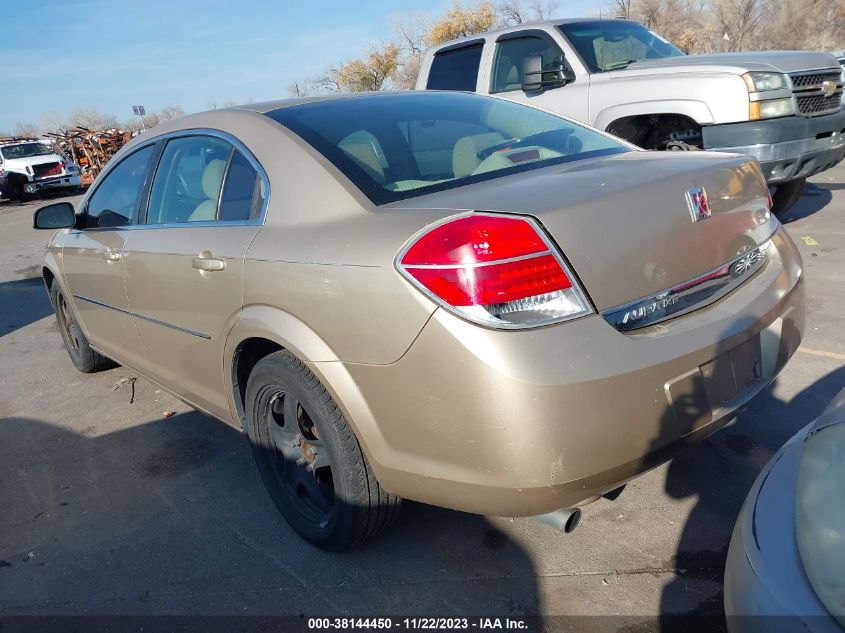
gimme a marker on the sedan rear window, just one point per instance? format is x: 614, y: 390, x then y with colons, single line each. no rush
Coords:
x: 403, y: 145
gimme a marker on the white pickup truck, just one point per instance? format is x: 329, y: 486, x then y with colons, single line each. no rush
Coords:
x: 29, y: 166
x: 785, y: 108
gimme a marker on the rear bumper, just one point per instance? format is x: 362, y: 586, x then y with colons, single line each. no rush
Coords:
x: 787, y: 148
x: 527, y: 422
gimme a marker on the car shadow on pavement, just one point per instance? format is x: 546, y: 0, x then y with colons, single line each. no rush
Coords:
x: 24, y: 301
x: 816, y: 197
x: 171, y: 517
x: 718, y: 474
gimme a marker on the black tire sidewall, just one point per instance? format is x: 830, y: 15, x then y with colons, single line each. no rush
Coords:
x: 16, y: 190
x: 283, y: 372
x: 787, y: 195
x: 82, y: 356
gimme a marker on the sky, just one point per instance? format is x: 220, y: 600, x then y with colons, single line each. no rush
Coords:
x: 59, y: 55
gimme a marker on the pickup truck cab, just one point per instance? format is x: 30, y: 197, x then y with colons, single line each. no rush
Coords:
x: 785, y: 108
x: 29, y: 166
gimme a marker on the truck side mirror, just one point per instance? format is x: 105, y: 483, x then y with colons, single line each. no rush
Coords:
x: 532, y: 73
x: 536, y: 78
x: 54, y: 216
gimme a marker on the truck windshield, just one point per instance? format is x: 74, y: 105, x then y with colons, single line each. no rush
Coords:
x: 612, y: 44
x: 408, y: 144
x: 24, y: 150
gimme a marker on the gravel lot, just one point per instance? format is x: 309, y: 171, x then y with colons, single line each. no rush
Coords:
x: 108, y: 507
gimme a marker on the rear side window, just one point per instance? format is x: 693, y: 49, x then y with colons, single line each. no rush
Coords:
x: 188, y: 180
x: 455, y: 69
x: 116, y: 197
x: 243, y: 191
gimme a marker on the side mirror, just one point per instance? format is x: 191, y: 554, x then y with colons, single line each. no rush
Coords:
x: 536, y: 78
x: 532, y: 73
x: 54, y: 216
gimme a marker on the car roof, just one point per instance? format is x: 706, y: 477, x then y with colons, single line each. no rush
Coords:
x: 269, y: 106
x: 526, y: 25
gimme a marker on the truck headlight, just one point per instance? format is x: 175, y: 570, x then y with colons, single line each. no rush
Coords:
x: 769, y: 109
x: 763, y: 82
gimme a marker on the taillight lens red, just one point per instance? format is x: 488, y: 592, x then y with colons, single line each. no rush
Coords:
x: 497, y: 270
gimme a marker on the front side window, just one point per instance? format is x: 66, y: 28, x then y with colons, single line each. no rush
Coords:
x: 114, y: 201
x: 188, y: 180
x: 403, y: 145
x: 613, y: 44
x: 455, y: 69
x: 507, y: 65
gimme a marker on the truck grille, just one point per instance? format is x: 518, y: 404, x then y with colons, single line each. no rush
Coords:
x: 812, y: 91
x: 818, y: 104
x: 46, y: 169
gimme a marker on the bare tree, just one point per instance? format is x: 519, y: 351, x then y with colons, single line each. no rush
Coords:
x: 412, y: 30
x: 170, y: 112
x: 510, y: 12
x: 53, y: 122
x: 28, y: 130
x: 622, y: 9
x: 157, y: 117
x: 513, y: 12
x: 298, y: 89
x: 92, y: 119
x: 743, y: 22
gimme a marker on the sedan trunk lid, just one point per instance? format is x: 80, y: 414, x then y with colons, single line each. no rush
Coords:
x: 624, y: 222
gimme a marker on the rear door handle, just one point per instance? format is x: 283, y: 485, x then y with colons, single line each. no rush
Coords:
x: 206, y: 263
x: 111, y: 256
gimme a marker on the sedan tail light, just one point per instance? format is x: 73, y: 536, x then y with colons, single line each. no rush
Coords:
x: 496, y: 270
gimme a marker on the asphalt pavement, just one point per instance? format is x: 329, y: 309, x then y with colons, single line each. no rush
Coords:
x: 109, y: 507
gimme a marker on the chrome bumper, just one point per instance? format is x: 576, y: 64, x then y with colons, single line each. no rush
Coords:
x: 788, y: 159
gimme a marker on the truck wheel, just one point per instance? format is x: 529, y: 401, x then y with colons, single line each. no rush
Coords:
x: 83, y: 357
x: 786, y: 195
x: 16, y: 192
x: 309, y: 458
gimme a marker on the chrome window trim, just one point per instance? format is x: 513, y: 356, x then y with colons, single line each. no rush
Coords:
x: 101, y: 177
x: 259, y: 221
x: 237, y: 144
x: 178, y: 328
x: 654, y: 306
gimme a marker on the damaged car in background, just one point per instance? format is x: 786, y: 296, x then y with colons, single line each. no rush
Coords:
x: 446, y: 297
x: 30, y: 166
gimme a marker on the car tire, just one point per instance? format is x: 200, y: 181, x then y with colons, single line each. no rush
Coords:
x: 16, y: 190
x: 84, y: 358
x: 786, y: 195
x: 309, y: 458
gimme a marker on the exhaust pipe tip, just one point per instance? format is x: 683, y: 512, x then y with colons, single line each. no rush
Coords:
x: 565, y: 520
x: 573, y: 521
